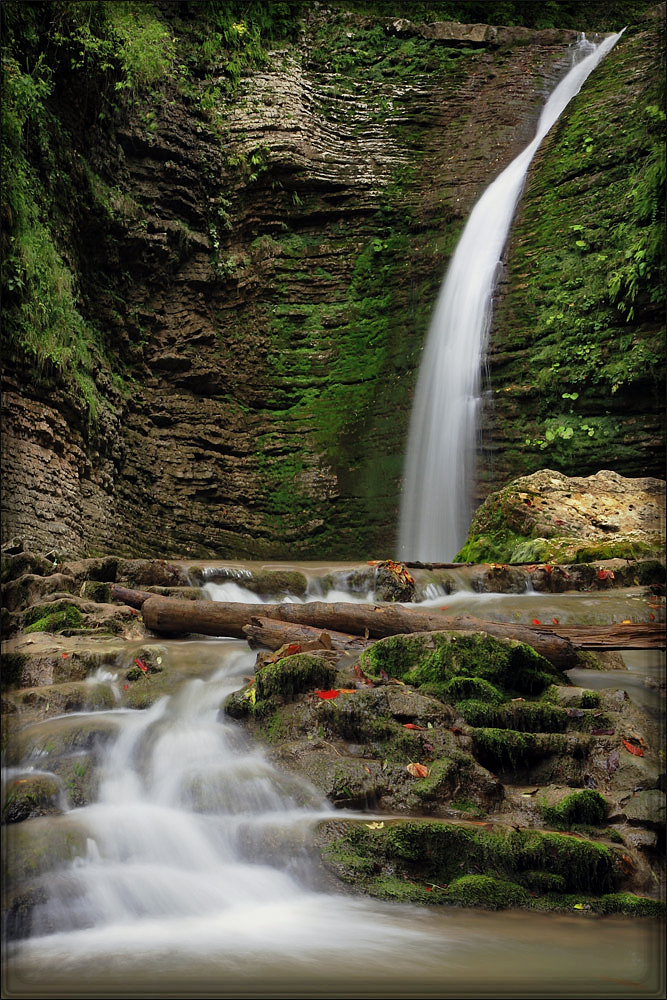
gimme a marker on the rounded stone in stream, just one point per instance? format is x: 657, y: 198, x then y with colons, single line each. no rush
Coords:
x: 30, y: 796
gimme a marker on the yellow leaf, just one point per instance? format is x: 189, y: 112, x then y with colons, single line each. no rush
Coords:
x: 375, y: 826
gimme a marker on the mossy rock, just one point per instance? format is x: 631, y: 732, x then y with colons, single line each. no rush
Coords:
x: 142, y: 573
x: 461, y: 688
x: 543, y: 882
x: 59, y: 617
x: 62, y: 736
x: 79, y: 776
x: 275, y: 583
x: 95, y: 590
x: 29, y: 588
x: 153, y: 658
x: 14, y: 566
x: 434, y: 658
x: 30, y: 796
x: 526, y: 717
x: 43, y: 844
x: 587, y: 806
x: 436, y: 853
x: 76, y: 696
x: 501, y: 749
x: 293, y: 675
x: 13, y: 665
x: 487, y: 892
x: 629, y: 905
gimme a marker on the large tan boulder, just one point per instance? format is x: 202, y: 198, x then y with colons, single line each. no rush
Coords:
x: 548, y: 516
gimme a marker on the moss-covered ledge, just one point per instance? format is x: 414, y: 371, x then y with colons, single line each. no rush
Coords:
x: 475, y: 865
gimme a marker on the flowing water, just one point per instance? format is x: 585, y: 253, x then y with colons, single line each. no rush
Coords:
x: 440, y: 458
x: 194, y: 873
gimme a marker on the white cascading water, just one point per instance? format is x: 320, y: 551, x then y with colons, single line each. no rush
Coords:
x: 193, y: 855
x: 440, y: 460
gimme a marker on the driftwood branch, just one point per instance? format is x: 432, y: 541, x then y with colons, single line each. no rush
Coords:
x: 273, y: 634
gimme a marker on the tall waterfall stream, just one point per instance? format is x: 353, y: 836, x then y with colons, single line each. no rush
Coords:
x: 198, y: 877
x: 440, y: 458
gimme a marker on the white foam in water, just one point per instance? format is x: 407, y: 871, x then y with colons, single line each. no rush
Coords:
x: 160, y: 877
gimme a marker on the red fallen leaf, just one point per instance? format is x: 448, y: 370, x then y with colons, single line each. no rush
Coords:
x: 637, y: 751
x: 65, y: 656
x: 556, y: 621
x: 528, y: 503
x: 428, y: 888
x: 602, y: 732
x: 445, y: 608
x: 325, y: 695
x: 411, y: 725
x: 548, y: 568
x: 143, y: 666
x: 558, y: 521
x: 606, y: 574
x: 652, y: 618
x: 418, y: 770
x: 294, y: 647
x: 536, y: 621
x: 126, y: 687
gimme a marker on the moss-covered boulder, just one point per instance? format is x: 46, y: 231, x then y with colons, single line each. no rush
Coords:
x: 585, y: 807
x: 549, y: 517
x: 282, y: 681
x: 431, y: 660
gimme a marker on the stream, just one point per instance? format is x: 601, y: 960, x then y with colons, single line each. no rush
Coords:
x: 199, y: 877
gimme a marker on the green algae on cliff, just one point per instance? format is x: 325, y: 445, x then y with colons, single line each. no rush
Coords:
x: 584, y: 294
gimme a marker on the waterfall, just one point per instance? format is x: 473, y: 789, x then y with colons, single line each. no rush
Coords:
x: 440, y: 461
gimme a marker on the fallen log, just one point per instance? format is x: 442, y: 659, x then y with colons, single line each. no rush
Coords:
x: 134, y: 598
x: 630, y: 635
x: 273, y: 634
x: 166, y: 614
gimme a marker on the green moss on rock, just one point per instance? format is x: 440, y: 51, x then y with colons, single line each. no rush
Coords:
x: 587, y: 806
x: 531, y: 717
x: 433, y: 659
x: 434, y: 854
x: 462, y: 688
x: 487, y: 892
x: 293, y: 675
x: 45, y: 619
x: 31, y: 796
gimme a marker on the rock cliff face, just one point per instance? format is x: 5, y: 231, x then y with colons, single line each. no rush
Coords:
x: 577, y: 351
x: 265, y: 265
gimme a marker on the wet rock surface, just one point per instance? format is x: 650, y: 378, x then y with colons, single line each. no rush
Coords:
x: 499, y: 764
x: 548, y: 516
x: 261, y: 309
x: 482, y: 737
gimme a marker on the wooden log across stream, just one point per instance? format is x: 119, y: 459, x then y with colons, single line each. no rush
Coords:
x: 558, y: 643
